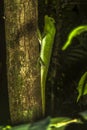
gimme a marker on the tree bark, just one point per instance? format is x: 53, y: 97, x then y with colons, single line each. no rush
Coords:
x: 22, y: 50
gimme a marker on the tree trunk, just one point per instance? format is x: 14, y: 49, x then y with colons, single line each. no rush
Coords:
x: 22, y: 50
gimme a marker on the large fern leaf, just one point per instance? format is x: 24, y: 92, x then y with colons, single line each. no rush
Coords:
x: 76, y: 55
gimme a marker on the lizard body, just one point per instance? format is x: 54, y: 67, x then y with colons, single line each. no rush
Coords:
x: 45, y: 55
x: 77, y: 31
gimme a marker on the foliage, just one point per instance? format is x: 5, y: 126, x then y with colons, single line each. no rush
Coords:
x: 75, y: 32
x: 82, y: 86
x: 77, y: 56
x: 57, y: 123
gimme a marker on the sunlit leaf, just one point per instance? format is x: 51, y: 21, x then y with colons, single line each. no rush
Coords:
x: 60, y: 123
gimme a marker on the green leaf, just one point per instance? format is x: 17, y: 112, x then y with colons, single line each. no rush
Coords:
x: 82, y: 86
x: 83, y: 114
x: 60, y: 123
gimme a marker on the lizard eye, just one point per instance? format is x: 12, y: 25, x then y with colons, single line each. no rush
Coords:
x: 52, y: 20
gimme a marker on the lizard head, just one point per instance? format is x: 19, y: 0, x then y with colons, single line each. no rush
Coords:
x: 49, y: 19
x: 49, y: 23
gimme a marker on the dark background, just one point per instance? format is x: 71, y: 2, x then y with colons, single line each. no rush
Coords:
x: 4, y: 106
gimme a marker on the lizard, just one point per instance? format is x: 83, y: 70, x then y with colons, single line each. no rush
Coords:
x: 76, y: 31
x: 45, y: 54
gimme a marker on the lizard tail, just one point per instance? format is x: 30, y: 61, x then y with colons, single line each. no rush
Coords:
x: 43, y: 83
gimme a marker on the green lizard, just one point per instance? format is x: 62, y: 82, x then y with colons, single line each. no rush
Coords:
x: 77, y: 31
x: 45, y: 54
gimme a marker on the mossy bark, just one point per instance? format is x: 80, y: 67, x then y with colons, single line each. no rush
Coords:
x: 22, y: 51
